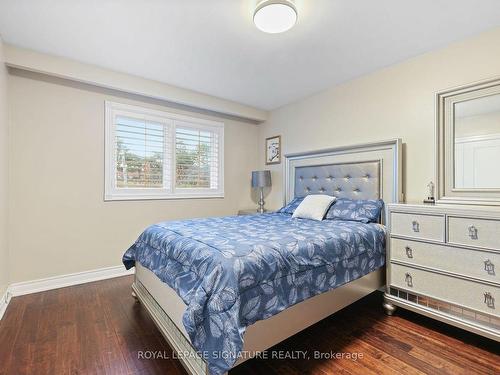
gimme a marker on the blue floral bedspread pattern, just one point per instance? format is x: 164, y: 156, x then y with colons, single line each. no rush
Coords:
x: 233, y: 271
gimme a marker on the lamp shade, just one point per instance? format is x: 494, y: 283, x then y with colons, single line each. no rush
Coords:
x: 261, y: 179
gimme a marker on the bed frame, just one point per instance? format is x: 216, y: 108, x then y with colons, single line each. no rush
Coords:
x: 365, y: 171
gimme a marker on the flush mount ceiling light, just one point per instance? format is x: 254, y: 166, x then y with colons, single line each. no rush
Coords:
x: 275, y: 16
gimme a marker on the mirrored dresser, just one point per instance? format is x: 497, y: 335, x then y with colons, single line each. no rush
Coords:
x: 444, y: 262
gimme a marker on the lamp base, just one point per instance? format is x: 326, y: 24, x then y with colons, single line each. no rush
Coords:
x: 261, y: 208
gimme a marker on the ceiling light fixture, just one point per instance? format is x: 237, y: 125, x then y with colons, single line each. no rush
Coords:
x: 275, y: 16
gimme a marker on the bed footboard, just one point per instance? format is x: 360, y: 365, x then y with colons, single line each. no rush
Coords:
x: 179, y: 344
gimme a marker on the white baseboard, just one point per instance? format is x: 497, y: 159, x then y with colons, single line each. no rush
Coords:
x: 34, y: 286
x: 4, y: 302
x: 56, y: 282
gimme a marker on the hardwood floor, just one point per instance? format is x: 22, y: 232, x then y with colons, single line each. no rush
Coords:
x: 97, y: 328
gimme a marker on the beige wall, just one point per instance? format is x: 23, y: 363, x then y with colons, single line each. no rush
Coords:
x: 394, y: 102
x: 59, y: 223
x: 4, y: 173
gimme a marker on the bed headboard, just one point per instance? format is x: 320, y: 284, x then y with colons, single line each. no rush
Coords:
x: 367, y: 171
x: 357, y: 180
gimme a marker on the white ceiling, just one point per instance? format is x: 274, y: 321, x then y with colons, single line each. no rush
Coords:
x: 212, y: 46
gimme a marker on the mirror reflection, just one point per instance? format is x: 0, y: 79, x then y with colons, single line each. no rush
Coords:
x: 477, y: 143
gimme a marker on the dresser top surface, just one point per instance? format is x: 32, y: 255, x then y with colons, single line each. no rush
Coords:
x: 492, y: 211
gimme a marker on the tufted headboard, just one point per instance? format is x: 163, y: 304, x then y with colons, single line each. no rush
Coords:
x: 356, y: 180
x: 367, y: 171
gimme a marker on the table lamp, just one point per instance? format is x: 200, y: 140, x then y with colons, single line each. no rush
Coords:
x: 261, y: 179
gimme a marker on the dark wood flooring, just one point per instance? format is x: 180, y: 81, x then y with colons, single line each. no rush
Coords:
x: 97, y: 328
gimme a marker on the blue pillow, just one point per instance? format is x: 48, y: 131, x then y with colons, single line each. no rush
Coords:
x: 364, y: 211
x: 291, y: 206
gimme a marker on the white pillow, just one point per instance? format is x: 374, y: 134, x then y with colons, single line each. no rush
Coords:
x: 314, y: 207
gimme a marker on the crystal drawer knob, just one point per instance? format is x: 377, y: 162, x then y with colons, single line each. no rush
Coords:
x: 472, y: 232
x: 489, y: 300
x: 415, y: 226
x: 489, y: 267
x: 409, y: 279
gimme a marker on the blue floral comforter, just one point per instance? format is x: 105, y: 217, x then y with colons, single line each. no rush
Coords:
x: 233, y: 271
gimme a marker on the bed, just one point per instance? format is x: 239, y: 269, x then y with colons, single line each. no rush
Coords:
x: 222, y: 290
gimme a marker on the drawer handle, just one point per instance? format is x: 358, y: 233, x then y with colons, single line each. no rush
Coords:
x: 409, y: 252
x: 489, y: 300
x: 409, y: 280
x: 472, y: 232
x: 415, y: 226
x: 489, y: 267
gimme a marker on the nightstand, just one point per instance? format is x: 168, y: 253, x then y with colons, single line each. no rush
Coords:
x: 251, y: 211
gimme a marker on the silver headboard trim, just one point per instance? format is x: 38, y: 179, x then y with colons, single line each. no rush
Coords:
x: 387, y: 152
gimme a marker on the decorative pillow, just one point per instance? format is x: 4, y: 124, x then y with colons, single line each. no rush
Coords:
x: 291, y: 206
x: 364, y: 211
x: 314, y: 207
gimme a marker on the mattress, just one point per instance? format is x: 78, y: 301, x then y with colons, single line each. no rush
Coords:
x: 233, y: 271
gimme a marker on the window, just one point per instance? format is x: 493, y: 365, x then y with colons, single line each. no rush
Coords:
x: 158, y: 155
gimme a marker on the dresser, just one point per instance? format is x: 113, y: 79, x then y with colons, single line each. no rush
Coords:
x: 443, y: 261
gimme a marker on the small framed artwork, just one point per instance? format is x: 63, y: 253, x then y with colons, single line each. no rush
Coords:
x: 273, y: 150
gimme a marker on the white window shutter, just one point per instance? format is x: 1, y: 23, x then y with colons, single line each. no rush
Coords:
x: 153, y: 154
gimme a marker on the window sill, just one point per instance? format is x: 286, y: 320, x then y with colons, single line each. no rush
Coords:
x: 141, y: 197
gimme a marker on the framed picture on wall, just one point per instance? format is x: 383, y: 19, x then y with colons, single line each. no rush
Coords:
x: 273, y: 150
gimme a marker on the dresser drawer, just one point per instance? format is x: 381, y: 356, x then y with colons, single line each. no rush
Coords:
x: 479, y: 264
x: 429, y: 227
x: 466, y: 293
x: 474, y: 232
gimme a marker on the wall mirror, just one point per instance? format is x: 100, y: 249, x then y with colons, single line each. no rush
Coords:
x: 468, y: 144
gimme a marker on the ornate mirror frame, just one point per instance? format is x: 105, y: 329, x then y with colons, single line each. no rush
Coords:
x: 445, y: 146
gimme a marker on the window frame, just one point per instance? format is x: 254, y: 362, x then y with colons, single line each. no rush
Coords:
x: 170, y: 121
